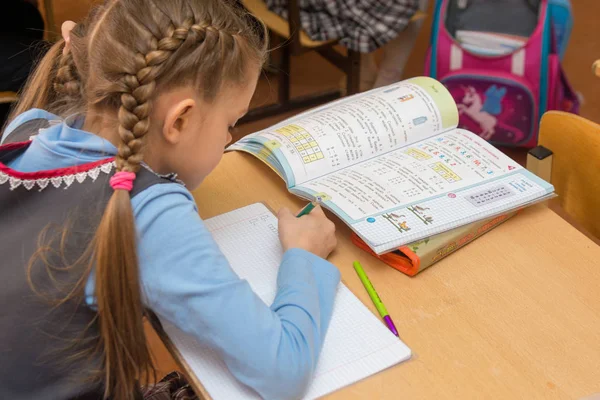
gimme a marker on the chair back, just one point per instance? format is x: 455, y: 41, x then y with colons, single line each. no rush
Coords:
x: 575, y: 142
x: 8, y: 97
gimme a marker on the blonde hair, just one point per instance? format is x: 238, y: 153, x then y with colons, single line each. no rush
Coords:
x: 121, y: 57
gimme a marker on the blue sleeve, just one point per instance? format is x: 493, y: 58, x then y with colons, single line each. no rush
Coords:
x: 27, y: 116
x: 188, y: 281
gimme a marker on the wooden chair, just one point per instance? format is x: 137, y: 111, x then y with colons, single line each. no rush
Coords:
x: 47, y: 8
x: 569, y: 156
x: 8, y: 97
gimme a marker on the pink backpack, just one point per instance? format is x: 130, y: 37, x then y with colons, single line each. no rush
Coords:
x: 501, y: 97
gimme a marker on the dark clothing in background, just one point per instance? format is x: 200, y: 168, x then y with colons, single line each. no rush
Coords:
x: 360, y: 25
x: 21, y: 33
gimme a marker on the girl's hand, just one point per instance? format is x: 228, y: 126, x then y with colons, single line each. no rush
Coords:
x: 313, y: 232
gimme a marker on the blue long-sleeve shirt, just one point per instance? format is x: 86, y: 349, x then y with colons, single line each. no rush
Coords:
x: 188, y: 282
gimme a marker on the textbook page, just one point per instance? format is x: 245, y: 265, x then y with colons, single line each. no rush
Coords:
x: 396, y: 186
x: 355, y: 129
x: 357, y: 343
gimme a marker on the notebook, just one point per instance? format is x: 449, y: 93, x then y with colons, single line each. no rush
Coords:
x: 357, y: 343
x: 393, y: 164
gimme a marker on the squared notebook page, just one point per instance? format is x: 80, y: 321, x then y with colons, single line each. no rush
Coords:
x: 357, y: 343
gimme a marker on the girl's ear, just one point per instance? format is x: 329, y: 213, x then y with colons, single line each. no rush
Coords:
x: 177, y: 119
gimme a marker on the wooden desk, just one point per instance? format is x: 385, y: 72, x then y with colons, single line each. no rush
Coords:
x: 515, y: 314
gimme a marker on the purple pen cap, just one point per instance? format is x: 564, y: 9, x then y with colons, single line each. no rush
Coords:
x: 390, y: 325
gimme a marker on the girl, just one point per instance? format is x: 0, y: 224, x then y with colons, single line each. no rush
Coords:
x: 150, y: 89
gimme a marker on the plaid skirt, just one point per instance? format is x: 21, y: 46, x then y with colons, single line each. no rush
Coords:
x: 359, y: 25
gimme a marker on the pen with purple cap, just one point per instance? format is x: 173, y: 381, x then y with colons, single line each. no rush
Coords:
x: 375, y: 298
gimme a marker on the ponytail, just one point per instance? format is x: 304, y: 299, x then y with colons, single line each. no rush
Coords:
x: 39, y: 90
x: 54, y: 85
x: 118, y: 296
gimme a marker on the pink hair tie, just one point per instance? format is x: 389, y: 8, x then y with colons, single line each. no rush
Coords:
x: 122, y: 180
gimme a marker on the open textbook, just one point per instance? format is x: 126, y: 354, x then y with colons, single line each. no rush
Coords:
x: 392, y: 164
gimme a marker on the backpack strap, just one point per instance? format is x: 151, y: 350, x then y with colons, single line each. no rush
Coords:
x: 517, y: 64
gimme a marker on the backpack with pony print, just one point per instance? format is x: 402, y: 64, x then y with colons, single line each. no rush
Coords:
x: 500, y: 60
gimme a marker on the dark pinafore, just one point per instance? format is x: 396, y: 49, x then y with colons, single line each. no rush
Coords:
x: 36, y: 338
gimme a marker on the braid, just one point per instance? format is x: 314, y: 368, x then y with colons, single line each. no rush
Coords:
x: 133, y: 122
x: 135, y: 103
x: 67, y: 80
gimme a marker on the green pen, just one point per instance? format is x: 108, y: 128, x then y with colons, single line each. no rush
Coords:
x: 308, y: 208
x: 375, y: 298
